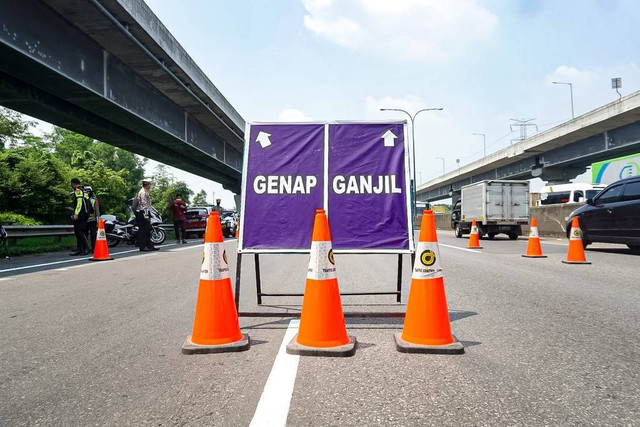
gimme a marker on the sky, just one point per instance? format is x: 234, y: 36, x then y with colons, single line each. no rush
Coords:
x: 484, y: 62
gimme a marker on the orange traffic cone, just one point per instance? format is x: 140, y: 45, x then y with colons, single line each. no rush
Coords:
x: 426, y: 323
x: 215, y: 324
x: 322, y: 328
x: 534, y: 250
x: 101, y: 251
x: 237, y: 232
x: 474, y: 241
x: 575, y: 254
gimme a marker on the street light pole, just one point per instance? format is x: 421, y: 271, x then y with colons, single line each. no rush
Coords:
x: 484, y: 143
x: 413, y: 148
x: 443, y: 168
x: 571, y: 91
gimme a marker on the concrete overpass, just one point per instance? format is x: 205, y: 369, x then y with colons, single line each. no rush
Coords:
x: 109, y: 69
x: 558, y: 154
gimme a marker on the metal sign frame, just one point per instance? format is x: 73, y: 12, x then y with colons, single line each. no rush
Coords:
x: 407, y: 187
x: 257, y: 252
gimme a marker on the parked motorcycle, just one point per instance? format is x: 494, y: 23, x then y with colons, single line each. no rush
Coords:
x: 118, y: 231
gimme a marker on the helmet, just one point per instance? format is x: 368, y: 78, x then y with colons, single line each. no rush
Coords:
x: 88, y: 189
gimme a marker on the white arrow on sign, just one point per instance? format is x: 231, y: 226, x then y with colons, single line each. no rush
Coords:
x: 264, y: 139
x: 389, y: 138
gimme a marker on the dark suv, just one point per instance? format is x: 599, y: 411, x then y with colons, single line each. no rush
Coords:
x: 612, y: 216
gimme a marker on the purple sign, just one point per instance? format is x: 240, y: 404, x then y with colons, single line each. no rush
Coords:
x: 365, y: 191
x: 367, y: 194
x: 283, y: 185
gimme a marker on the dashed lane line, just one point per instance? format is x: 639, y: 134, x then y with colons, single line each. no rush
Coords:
x: 273, y: 407
x: 458, y: 247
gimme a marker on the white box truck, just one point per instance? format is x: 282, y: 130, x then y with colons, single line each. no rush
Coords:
x: 498, y: 206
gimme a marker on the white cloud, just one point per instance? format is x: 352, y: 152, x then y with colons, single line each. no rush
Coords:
x: 293, y: 115
x: 573, y: 75
x: 405, y: 29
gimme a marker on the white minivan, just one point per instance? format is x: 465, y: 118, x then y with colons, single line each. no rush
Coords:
x: 568, y: 193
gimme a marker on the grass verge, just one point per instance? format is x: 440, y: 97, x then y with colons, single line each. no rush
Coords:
x: 37, y: 245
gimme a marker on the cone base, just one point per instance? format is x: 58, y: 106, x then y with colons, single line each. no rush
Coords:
x: 564, y: 261
x: 534, y: 256
x: 474, y: 247
x: 101, y: 259
x: 346, y: 350
x: 189, y: 347
x: 406, y: 347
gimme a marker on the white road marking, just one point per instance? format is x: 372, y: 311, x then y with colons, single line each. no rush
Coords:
x: 2, y: 279
x: 187, y: 247
x: 273, y: 407
x: 462, y: 249
x: 26, y: 267
x: 62, y: 269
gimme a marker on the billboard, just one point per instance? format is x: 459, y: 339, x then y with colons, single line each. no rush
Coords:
x: 613, y: 170
x: 357, y: 172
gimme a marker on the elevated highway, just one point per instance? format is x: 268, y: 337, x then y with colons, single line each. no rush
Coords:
x: 556, y: 155
x: 109, y: 69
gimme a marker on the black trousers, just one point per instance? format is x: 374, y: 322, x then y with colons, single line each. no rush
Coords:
x: 92, y: 229
x: 144, y: 231
x: 178, y: 228
x: 80, y: 230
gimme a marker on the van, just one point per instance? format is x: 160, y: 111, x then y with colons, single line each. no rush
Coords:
x: 568, y: 193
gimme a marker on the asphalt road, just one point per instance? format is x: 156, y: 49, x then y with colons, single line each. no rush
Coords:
x: 546, y: 343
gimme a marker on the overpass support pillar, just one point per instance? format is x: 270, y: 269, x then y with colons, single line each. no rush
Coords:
x: 238, y: 201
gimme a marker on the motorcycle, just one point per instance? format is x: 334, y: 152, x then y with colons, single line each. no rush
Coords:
x: 119, y: 231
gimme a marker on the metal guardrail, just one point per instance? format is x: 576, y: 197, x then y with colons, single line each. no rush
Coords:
x: 22, y: 231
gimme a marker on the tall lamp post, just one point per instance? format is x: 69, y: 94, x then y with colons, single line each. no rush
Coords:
x: 413, y: 150
x: 571, y: 90
x: 484, y: 143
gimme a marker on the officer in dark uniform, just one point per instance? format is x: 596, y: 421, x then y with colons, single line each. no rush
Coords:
x: 79, y: 217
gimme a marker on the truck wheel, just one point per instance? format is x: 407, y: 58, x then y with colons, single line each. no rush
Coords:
x: 634, y: 248
x: 513, y: 236
x: 458, y: 231
x: 492, y: 236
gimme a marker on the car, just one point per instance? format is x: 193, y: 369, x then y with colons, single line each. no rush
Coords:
x: 612, y: 216
x: 197, y: 221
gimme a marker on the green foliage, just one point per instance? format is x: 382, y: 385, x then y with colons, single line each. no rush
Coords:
x: 36, y: 245
x: 164, y: 190
x: 12, y: 128
x: 34, y: 183
x: 17, y: 219
x: 200, y: 198
x: 35, y: 173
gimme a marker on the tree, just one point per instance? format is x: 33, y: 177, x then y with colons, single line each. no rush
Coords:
x: 82, y: 152
x: 200, y: 198
x: 164, y: 190
x: 34, y: 183
x: 13, y: 128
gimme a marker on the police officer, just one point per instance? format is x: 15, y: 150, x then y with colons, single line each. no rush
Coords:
x: 92, y: 222
x: 141, y: 209
x: 79, y: 217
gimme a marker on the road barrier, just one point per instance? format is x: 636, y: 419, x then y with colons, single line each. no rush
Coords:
x: 23, y: 231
